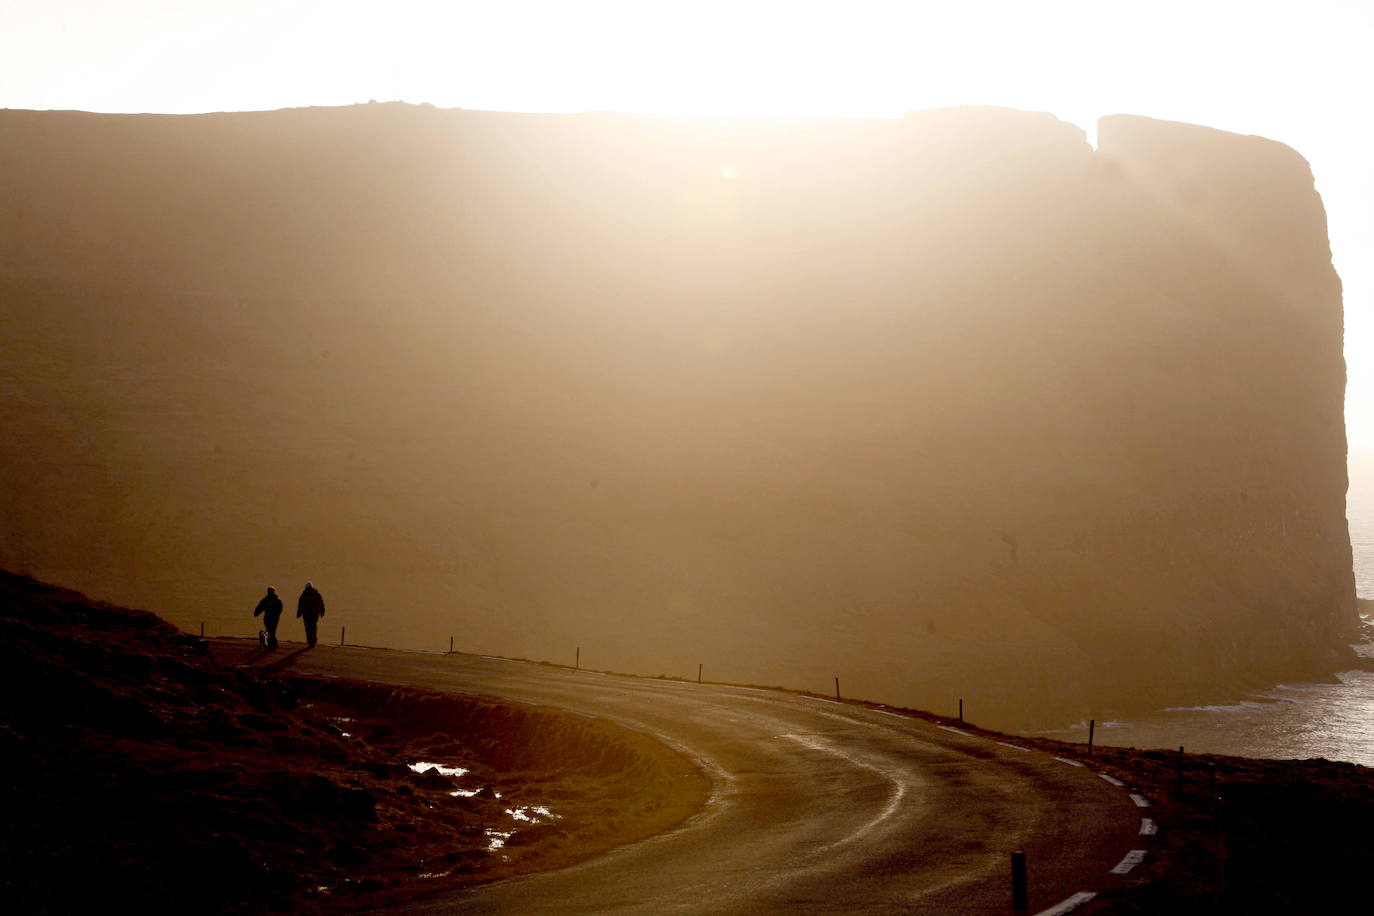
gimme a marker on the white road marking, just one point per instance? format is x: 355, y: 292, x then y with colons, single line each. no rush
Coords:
x: 1148, y: 827
x: 821, y: 699
x: 1068, y: 905
x: 1111, y: 779
x: 1140, y: 800
x: 1072, y: 763
x: 956, y: 731
x: 892, y: 714
x: 1133, y: 858
x: 1015, y: 747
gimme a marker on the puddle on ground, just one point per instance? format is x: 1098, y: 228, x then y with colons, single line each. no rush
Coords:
x: 340, y: 721
x: 533, y: 814
x: 423, y: 765
x: 526, y: 814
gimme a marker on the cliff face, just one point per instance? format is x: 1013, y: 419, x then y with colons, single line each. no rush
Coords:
x: 951, y: 406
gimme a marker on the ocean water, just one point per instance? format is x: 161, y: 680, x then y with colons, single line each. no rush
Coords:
x: 1335, y: 721
x: 1359, y: 511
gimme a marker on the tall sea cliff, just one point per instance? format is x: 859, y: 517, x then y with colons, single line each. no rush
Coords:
x: 953, y: 406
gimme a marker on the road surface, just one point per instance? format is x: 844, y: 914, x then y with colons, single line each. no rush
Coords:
x: 817, y: 806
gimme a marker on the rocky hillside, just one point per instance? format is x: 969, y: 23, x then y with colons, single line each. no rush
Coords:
x: 949, y: 406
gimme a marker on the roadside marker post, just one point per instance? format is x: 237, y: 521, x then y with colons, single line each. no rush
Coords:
x: 577, y: 660
x: 698, y: 672
x: 1221, y: 844
x: 202, y: 629
x: 961, y: 709
x: 837, y: 689
x: 1020, y: 896
x: 1092, y: 726
x: 450, y: 645
x: 342, y: 630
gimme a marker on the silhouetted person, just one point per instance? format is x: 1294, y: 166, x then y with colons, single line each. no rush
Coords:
x: 270, y: 609
x: 310, y: 608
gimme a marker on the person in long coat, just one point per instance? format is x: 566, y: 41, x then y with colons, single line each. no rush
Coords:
x: 310, y: 608
x: 269, y: 608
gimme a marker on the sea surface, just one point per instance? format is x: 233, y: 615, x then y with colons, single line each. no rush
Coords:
x: 1335, y: 721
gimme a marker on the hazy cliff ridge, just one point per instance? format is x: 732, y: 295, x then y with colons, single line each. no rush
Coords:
x: 948, y: 406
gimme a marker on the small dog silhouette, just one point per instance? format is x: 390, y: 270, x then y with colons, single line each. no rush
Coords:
x: 262, y: 639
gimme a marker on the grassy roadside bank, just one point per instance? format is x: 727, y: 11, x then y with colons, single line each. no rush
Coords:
x: 135, y: 767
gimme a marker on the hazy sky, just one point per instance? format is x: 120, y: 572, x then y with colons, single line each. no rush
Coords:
x: 1297, y: 72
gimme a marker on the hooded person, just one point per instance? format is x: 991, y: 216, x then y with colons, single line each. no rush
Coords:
x: 269, y: 608
x: 310, y: 608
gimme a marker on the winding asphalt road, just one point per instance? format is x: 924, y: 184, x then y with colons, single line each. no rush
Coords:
x: 817, y: 806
